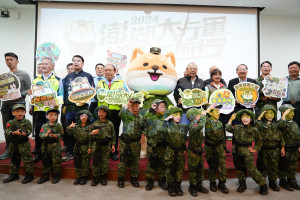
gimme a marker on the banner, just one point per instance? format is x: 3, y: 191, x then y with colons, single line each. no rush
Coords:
x: 246, y: 93
x: 82, y: 91
x: 9, y: 87
x: 120, y: 97
x: 193, y: 98
x: 225, y: 98
x: 275, y: 87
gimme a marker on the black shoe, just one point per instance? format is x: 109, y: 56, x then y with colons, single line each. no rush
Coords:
x: 67, y: 157
x: 149, y: 185
x: 163, y: 184
x: 28, y: 178
x: 95, y: 181
x: 293, y: 183
x: 33, y: 152
x: 114, y: 157
x: 11, y: 177
x: 213, y: 186
x: 121, y: 182
x: 77, y: 181
x: 283, y: 183
x: 223, y: 187
x: 273, y: 186
x: 43, y: 179
x: 84, y: 180
x: 178, y: 189
x: 56, y: 178
x: 37, y: 158
x: 103, y: 180
x: 134, y: 181
x: 242, y: 186
x: 263, y: 190
x: 193, y: 190
x: 171, y: 189
x: 201, y: 188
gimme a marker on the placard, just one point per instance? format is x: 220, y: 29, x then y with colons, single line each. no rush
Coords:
x: 9, y: 87
x: 275, y: 87
x: 119, y: 60
x: 225, y: 98
x: 246, y: 93
x: 43, y: 95
x: 82, y: 91
x: 193, y: 98
x: 47, y: 49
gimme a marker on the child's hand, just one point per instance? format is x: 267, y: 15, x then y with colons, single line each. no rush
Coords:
x: 203, y: 112
x: 49, y: 131
x: 89, y: 151
x: 24, y: 134
x: 95, y: 132
x: 168, y: 118
x: 143, y: 139
x: 261, y: 115
x: 72, y: 125
x: 113, y: 149
x: 282, y: 152
x: 197, y: 117
x: 233, y: 117
x: 17, y: 132
x: 253, y: 105
x: 251, y: 150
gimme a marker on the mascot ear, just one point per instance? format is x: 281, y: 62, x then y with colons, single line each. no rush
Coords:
x: 135, y: 52
x: 172, y: 56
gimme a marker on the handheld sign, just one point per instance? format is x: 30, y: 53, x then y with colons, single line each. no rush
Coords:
x: 117, y: 59
x: 275, y: 87
x: 47, y: 49
x: 246, y: 93
x: 82, y: 91
x: 225, y: 98
x: 9, y: 87
x: 193, y: 98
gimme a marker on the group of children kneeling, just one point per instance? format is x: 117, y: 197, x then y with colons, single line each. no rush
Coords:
x: 277, y: 144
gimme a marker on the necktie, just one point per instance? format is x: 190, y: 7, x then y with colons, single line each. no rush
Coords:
x: 109, y: 84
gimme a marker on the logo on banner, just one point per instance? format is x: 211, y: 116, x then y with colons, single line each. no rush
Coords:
x: 82, y: 91
x: 43, y: 95
x: 246, y: 93
x: 193, y: 98
x: 225, y: 98
x: 9, y: 87
x: 275, y: 87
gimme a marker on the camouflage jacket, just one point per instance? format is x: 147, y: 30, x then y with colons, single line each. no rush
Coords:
x: 214, y: 132
x: 174, y: 134
x: 13, y: 125
x: 81, y: 134
x: 151, y: 124
x: 132, y: 125
x: 261, y: 103
x: 270, y: 133
x: 196, y: 133
x: 245, y: 134
x: 56, y: 129
x: 106, y: 131
x: 290, y: 132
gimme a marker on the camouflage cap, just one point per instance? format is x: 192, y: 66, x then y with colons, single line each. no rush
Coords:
x: 174, y: 110
x: 88, y: 113
x: 241, y: 112
x: 134, y: 100
x: 17, y: 106
x: 53, y: 110
x: 104, y: 108
x: 192, y: 113
x: 285, y: 107
x: 155, y: 50
x: 158, y: 101
x: 269, y: 107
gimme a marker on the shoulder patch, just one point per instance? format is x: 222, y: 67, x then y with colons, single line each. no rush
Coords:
x: 41, y: 130
x: 7, y: 125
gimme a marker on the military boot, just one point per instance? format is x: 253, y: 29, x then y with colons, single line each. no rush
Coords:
x: 193, y: 190
x: 134, y: 181
x: 77, y: 181
x: 273, y: 186
x: 11, y: 177
x: 171, y: 189
x: 201, y: 188
x: 95, y: 181
x: 293, y: 183
x: 56, y: 178
x: 162, y: 183
x: 223, y: 187
x: 242, y: 186
x: 213, y: 186
x: 43, y: 179
x: 150, y: 184
x: 263, y: 190
x: 28, y: 178
x: 84, y: 180
x: 178, y: 189
x: 284, y: 184
x: 103, y: 180
x: 120, y: 182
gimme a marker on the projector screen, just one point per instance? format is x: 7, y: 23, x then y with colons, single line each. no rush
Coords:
x: 223, y: 37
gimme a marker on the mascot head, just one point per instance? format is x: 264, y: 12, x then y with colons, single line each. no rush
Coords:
x: 152, y: 72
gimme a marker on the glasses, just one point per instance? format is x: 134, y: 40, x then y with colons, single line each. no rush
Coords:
x: 242, y: 70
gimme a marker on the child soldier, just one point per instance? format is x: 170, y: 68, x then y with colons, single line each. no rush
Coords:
x: 102, y: 143
x: 174, y: 158
x: 242, y: 152
x: 291, y: 135
x: 156, y: 144
x: 197, y: 118
x: 51, y: 133
x: 18, y: 130
x: 81, y: 133
x: 215, y: 145
x: 273, y: 145
x: 130, y: 144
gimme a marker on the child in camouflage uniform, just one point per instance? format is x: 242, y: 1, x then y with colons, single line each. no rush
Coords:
x: 242, y: 151
x: 291, y: 135
x: 51, y: 133
x: 273, y: 145
x: 174, y: 158
x: 102, y: 143
x: 18, y: 130
x: 81, y: 133
x: 215, y: 146
x: 156, y: 144
x: 197, y: 118
x: 130, y: 144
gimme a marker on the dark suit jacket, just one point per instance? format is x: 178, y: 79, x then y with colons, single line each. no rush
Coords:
x: 235, y: 81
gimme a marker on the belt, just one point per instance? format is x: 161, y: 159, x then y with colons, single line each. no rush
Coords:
x: 270, y: 147
x: 102, y: 142
x: 127, y: 140
x: 241, y: 144
x: 182, y: 148
x: 195, y: 151
x: 212, y: 144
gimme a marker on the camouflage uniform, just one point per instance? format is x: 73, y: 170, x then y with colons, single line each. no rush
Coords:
x: 19, y: 147
x: 130, y: 144
x: 51, y: 148
x: 215, y: 146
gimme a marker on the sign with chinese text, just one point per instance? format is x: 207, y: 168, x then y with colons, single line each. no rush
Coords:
x: 246, y: 93
x: 193, y: 98
x: 9, y: 87
x: 225, y: 98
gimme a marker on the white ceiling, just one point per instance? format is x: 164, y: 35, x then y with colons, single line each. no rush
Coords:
x: 272, y: 7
